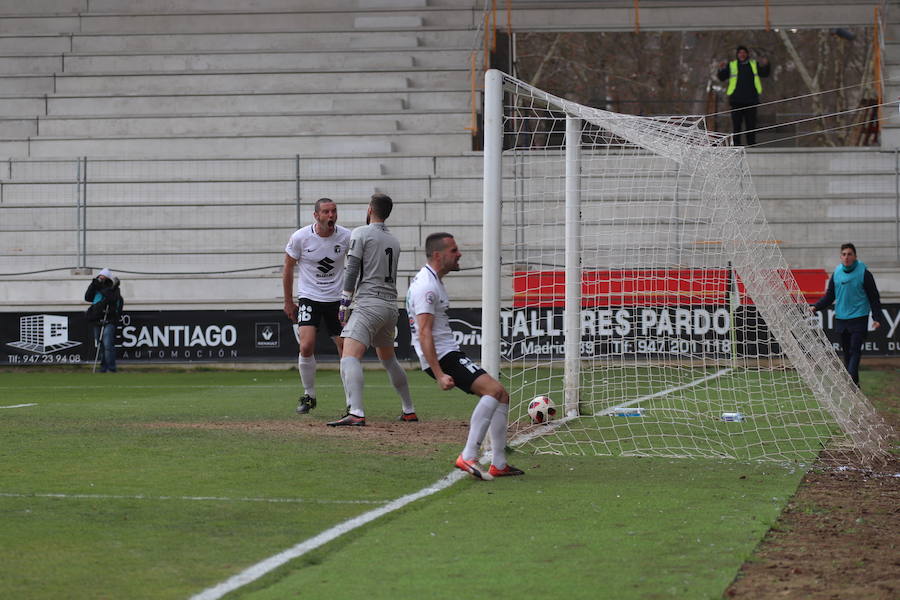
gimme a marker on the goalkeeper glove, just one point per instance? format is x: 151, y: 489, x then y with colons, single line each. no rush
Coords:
x: 344, y: 310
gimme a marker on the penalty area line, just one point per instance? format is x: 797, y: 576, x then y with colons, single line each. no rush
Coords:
x: 677, y: 388
x: 19, y: 405
x: 263, y: 567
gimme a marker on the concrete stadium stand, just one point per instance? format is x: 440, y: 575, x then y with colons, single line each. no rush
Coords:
x: 351, y: 97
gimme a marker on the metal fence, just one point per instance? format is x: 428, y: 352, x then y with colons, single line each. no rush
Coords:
x: 219, y: 216
x: 163, y: 216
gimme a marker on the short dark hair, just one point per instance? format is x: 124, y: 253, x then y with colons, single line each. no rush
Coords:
x: 848, y: 245
x: 322, y: 201
x: 382, y: 205
x: 435, y: 242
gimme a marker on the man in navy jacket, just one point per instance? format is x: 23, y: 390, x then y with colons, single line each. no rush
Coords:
x: 853, y: 291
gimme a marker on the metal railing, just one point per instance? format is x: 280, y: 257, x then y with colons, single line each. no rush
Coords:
x: 218, y: 217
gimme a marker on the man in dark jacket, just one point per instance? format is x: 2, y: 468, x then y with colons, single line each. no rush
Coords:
x: 853, y: 291
x: 744, y: 87
x: 104, y: 314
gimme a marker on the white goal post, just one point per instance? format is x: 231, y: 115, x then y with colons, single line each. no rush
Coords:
x: 630, y: 275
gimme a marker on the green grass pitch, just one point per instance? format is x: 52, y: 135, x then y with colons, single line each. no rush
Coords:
x: 680, y: 413
x: 159, y: 484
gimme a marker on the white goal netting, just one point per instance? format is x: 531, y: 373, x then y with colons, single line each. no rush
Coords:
x: 691, y: 336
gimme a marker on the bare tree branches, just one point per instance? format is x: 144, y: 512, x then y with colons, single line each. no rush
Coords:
x: 654, y: 73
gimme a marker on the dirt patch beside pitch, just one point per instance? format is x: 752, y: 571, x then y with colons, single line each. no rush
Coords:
x: 390, y: 437
x: 838, y: 538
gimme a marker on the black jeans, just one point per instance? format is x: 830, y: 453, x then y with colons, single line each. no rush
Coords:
x: 743, y: 118
x: 853, y: 334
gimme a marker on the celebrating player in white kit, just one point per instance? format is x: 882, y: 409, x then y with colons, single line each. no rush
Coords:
x: 371, y: 272
x: 427, y: 303
x: 320, y: 250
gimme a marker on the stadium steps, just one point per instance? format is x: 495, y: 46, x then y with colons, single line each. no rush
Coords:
x: 229, y: 146
x: 193, y: 82
x: 699, y: 15
x: 161, y: 62
x: 16, y: 139
x: 297, y: 17
x: 238, y: 124
x: 890, y: 132
x: 228, y: 77
x: 365, y: 102
x: 309, y: 41
x: 890, y: 125
x: 145, y: 59
x: 184, y: 6
x: 269, y: 61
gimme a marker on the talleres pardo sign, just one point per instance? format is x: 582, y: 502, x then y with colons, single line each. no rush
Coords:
x: 692, y: 317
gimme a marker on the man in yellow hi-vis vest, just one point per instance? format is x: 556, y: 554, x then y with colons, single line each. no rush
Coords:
x: 744, y: 87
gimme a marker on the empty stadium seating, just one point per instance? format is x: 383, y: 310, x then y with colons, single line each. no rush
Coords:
x: 209, y: 127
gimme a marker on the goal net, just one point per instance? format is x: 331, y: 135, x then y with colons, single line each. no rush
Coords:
x: 630, y: 275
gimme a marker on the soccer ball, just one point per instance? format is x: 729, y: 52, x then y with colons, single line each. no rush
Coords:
x: 541, y: 409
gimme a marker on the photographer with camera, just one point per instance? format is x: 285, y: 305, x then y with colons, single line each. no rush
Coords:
x: 104, y: 313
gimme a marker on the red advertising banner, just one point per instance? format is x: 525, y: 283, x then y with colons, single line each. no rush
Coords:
x: 812, y: 282
x: 648, y: 287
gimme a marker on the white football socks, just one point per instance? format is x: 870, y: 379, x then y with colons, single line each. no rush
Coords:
x: 478, y: 425
x: 307, y: 367
x: 352, y: 376
x: 398, y: 380
x: 497, y: 430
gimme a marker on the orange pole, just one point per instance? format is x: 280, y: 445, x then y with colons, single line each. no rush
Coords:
x: 494, y: 27
x: 876, y: 66
x: 768, y: 24
x: 473, y: 124
x: 637, y: 16
x: 487, y: 42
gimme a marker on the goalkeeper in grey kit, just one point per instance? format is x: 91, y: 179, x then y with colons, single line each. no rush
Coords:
x: 371, y: 272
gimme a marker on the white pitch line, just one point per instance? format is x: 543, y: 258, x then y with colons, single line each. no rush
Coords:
x: 263, y: 567
x: 19, y: 405
x: 715, y: 375
x: 256, y: 571
x: 188, y: 498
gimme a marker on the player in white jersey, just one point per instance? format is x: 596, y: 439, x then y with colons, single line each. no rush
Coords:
x: 371, y: 272
x: 427, y: 303
x: 319, y: 249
